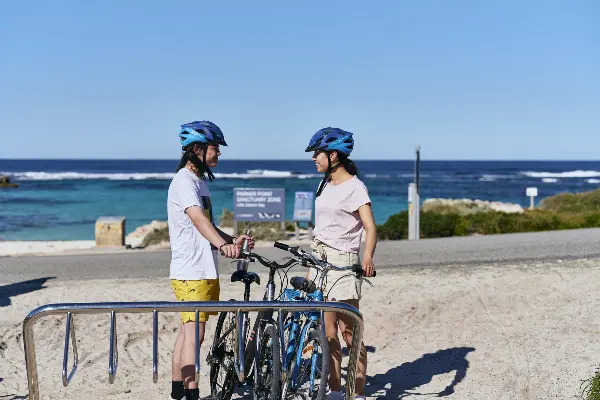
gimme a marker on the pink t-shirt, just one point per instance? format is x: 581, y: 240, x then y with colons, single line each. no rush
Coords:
x: 337, y: 223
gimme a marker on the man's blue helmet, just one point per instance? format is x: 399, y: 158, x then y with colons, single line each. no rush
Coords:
x: 332, y: 139
x: 204, y: 132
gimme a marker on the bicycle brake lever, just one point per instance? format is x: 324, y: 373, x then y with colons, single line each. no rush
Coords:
x: 368, y: 281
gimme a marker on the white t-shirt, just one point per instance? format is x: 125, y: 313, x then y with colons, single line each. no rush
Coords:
x: 192, y: 256
x: 337, y: 223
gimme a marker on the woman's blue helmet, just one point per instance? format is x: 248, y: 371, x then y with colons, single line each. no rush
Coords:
x: 204, y: 132
x: 332, y: 139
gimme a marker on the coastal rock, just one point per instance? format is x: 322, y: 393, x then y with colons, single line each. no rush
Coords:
x: 6, y: 183
x: 469, y: 206
x: 135, y: 238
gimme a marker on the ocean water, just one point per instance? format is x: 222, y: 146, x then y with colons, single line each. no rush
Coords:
x: 61, y: 199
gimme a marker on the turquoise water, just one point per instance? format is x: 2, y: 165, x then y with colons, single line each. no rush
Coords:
x: 61, y: 199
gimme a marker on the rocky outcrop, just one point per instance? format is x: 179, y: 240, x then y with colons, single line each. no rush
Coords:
x: 136, y: 238
x: 469, y: 206
x: 6, y: 183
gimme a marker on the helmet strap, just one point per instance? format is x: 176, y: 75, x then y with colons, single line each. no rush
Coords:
x: 331, y: 168
x: 327, y: 177
x: 201, y: 168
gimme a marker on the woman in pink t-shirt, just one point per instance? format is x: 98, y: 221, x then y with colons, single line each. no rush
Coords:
x: 342, y: 213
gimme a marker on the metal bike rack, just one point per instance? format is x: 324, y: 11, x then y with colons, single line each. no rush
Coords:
x: 71, y: 309
x: 70, y: 333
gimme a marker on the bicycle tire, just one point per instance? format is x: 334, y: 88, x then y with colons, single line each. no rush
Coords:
x: 219, y: 357
x: 269, y: 356
x: 314, y: 336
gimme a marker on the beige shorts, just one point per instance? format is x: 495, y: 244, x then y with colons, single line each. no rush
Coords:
x: 336, y: 289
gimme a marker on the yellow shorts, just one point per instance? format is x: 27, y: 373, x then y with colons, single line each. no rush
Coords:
x: 200, y: 290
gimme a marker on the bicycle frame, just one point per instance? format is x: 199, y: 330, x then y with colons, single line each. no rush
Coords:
x: 293, y: 348
x: 243, y: 355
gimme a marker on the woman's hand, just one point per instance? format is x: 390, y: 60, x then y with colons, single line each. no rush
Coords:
x: 368, y: 267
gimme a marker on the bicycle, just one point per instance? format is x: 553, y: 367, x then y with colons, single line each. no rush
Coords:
x: 232, y: 358
x: 305, y: 330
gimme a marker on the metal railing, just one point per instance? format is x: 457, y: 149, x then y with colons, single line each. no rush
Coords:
x: 72, y: 309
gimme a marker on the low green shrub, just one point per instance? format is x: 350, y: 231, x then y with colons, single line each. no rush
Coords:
x: 486, y: 223
x: 591, y: 390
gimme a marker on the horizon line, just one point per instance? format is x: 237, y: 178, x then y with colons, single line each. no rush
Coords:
x: 307, y: 160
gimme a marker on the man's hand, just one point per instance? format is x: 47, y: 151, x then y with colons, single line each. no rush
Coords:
x: 230, y: 251
x: 368, y: 267
x: 240, y: 241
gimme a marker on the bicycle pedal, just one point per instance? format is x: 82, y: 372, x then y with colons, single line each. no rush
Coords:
x: 308, y: 348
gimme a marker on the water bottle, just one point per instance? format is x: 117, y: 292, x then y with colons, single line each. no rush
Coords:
x: 242, y: 264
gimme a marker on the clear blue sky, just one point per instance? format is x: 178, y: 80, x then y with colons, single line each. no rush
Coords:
x: 465, y: 79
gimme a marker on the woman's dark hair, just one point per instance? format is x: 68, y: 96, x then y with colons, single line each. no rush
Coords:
x: 189, y: 155
x: 347, y: 163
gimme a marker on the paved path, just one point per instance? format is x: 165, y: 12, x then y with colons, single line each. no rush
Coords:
x: 582, y: 243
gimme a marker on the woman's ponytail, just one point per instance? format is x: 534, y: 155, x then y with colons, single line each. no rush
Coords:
x: 349, y: 165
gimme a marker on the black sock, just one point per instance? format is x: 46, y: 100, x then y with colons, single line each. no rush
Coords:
x: 192, y: 394
x: 177, y: 390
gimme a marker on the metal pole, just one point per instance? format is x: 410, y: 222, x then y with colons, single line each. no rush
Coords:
x: 418, y: 169
x: 412, y: 222
x: 414, y: 201
x: 69, y: 334
x: 417, y: 209
x: 113, y: 354
x: 154, y: 346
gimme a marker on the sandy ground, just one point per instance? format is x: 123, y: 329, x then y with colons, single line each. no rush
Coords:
x: 520, y: 331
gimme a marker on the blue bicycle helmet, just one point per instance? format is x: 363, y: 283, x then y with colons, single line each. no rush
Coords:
x: 332, y: 139
x: 201, y: 132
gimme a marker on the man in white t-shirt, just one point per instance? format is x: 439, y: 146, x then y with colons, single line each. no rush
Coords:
x: 195, y: 242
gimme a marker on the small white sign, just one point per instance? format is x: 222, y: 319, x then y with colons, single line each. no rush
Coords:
x: 532, y: 191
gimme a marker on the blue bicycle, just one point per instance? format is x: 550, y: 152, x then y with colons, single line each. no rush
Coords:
x: 304, y: 346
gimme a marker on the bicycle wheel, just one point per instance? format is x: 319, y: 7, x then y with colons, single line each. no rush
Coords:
x: 308, y: 376
x: 221, y: 358
x: 267, y: 383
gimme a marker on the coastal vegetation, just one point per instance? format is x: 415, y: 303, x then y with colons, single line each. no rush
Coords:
x: 466, y: 217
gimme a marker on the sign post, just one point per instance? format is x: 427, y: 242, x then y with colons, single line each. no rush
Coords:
x: 258, y: 205
x: 414, y: 203
x: 303, y: 210
x: 531, y: 192
x: 413, y: 212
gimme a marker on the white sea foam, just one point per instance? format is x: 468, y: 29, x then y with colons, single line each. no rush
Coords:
x: 566, y: 174
x: 549, y: 180
x: 493, y: 178
x: 54, y: 176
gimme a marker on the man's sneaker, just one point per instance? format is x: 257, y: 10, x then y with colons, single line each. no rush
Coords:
x: 335, y: 395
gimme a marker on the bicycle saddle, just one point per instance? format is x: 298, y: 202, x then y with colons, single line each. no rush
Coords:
x: 245, y: 276
x: 300, y: 283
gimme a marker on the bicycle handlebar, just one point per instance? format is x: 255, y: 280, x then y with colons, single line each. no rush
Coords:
x: 270, y: 264
x: 297, y: 251
x: 281, y: 246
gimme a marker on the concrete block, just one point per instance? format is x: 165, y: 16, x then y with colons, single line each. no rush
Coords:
x: 110, y: 232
